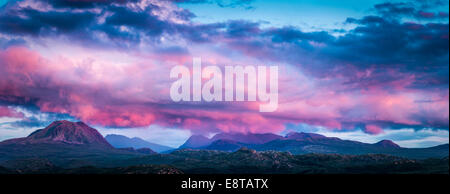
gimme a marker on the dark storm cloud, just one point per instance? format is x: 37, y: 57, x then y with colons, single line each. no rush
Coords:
x: 33, y: 22
x: 141, y: 20
x: 189, y: 1
x: 85, y: 3
x: 200, y: 33
x: 82, y: 25
x: 291, y: 34
x: 377, y: 40
x: 242, y: 28
x: 421, y: 49
x: 410, y: 10
x: 221, y: 3
x: 376, y: 44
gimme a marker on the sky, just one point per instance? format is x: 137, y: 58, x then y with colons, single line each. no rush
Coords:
x: 359, y: 70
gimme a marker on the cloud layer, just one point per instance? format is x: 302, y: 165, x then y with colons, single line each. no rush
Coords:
x: 107, y: 63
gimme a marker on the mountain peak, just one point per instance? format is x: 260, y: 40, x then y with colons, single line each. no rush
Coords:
x: 68, y: 132
x: 387, y: 144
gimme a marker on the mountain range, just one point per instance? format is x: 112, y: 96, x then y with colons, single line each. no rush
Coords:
x: 74, y: 147
x: 303, y: 143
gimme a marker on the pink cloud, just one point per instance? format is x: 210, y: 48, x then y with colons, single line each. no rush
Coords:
x: 8, y: 112
x: 373, y: 129
x: 426, y: 14
x: 102, y: 91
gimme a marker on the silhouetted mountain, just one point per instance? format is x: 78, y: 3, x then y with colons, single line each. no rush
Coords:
x: 322, y: 144
x: 64, y: 143
x: 120, y: 141
x: 64, y: 132
x: 196, y: 141
x: 303, y: 143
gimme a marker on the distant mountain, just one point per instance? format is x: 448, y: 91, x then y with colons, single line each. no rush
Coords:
x: 196, y: 141
x: 224, y: 139
x: 64, y: 132
x: 303, y: 143
x: 120, y: 141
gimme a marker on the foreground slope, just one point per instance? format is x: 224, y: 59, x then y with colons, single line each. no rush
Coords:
x: 245, y: 161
